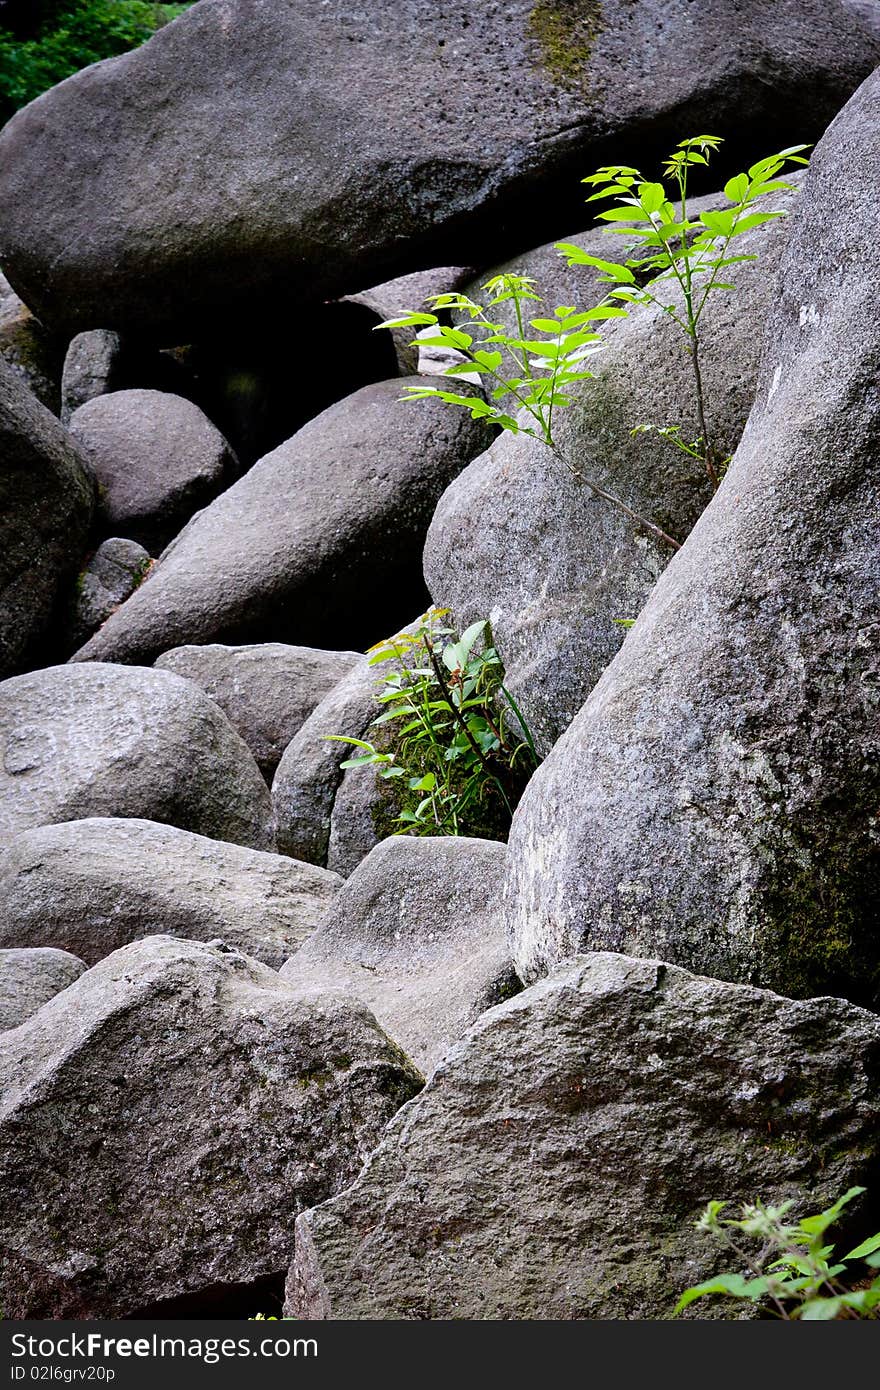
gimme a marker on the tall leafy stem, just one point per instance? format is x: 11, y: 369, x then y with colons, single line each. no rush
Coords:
x: 536, y: 370
x: 795, y: 1273
x: 682, y: 250
x: 539, y: 369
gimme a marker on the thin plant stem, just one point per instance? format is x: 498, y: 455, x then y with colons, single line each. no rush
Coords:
x: 615, y: 501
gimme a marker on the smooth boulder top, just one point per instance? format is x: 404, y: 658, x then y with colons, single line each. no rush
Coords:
x: 29, y: 978
x: 157, y: 459
x: 207, y: 173
x: 715, y: 800
x: 416, y: 934
x: 91, y: 886
x: 104, y: 740
x: 267, y: 690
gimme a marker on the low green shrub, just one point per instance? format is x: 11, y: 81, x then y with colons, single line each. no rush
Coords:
x: 450, y: 739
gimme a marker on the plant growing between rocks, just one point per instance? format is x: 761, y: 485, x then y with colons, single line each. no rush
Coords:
x: 536, y: 370
x: 692, y: 254
x: 794, y: 1274
x: 453, y: 741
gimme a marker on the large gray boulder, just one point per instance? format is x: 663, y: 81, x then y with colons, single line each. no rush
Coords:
x: 416, y: 935
x: 31, y: 977
x: 555, y: 1163
x: 146, y: 192
x: 34, y: 354
x: 106, y: 580
x: 715, y: 800
x: 306, y: 783
x: 46, y: 501
x: 266, y: 690
x: 518, y: 539
x: 101, y: 740
x: 157, y: 459
x: 165, y: 1118
x: 91, y: 886
x: 322, y: 535
x: 92, y: 367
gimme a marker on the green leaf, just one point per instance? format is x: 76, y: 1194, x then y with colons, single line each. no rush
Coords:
x: 469, y: 637
x: 652, y: 196
x: 815, y: 1225
x: 720, y: 223
x: 737, y: 189
x: 754, y: 219
x: 407, y: 321
x: 732, y: 1284
x: 619, y: 214
x: 491, y: 361
x: 423, y: 784
x: 867, y: 1247
x: 820, y: 1309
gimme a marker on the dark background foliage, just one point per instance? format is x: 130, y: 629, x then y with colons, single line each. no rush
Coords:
x: 44, y: 41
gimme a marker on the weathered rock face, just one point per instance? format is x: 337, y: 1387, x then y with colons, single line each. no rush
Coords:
x: 267, y: 691
x: 91, y: 886
x: 518, y: 539
x: 29, y: 349
x: 363, y: 814
x: 715, y: 800
x: 405, y: 293
x: 165, y: 1118
x: 157, y: 459
x: 215, y: 204
x: 110, y: 576
x: 100, y: 740
x: 29, y: 978
x: 46, y: 500
x: 555, y: 1163
x: 324, y: 534
x: 308, y: 776
x: 92, y: 367
x: 416, y: 935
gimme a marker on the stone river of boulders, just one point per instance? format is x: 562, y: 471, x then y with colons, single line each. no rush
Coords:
x: 255, y: 1051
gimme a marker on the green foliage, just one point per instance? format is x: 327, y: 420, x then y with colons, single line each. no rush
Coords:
x: 533, y: 368
x: 458, y: 749
x: 674, y: 247
x: 795, y: 1273
x: 75, y: 34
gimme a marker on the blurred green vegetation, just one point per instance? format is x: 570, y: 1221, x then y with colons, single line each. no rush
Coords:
x: 62, y: 36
